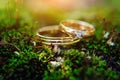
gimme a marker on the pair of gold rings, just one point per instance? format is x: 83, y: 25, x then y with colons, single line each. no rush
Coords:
x: 66, y: 33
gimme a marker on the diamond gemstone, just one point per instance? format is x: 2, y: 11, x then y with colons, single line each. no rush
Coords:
x: 79, y: 34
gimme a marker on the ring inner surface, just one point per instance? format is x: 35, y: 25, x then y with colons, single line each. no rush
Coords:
x: 53, y: 33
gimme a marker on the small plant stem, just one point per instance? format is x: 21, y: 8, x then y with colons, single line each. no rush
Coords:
x: 8, y: 12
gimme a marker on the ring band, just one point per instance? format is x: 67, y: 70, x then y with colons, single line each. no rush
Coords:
x: 53, y: 35
x: 77, y: 28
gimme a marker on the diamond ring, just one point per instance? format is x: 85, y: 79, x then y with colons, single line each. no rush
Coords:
x: 76, y: 28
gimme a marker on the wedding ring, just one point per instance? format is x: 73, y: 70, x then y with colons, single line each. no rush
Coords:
x: 53, y: 35
x: 76, y: 28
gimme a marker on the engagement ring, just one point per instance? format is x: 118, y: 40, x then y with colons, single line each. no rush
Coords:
x: 77, y: 29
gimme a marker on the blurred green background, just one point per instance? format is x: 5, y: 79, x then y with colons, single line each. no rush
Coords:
x: 20, y: 14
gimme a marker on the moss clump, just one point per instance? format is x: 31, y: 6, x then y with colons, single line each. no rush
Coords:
x: 91, y: 58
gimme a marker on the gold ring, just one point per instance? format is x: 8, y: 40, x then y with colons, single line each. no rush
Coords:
x: 55, y: 36
x: 76, y: 28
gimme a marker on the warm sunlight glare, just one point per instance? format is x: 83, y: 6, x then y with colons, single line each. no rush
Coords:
x: 59, y: 4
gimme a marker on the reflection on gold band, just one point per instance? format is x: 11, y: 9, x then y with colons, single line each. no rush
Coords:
x: 77, y: 28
